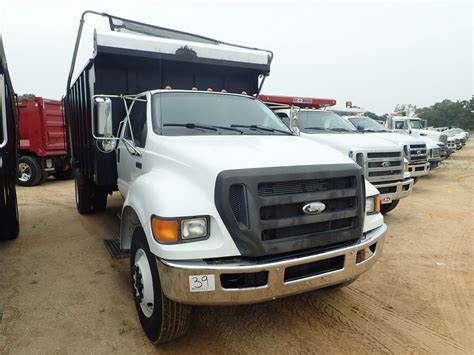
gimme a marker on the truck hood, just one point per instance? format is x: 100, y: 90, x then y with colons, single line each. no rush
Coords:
x: 345, y: 142
x: 401, y: 139
x: 214, y: 154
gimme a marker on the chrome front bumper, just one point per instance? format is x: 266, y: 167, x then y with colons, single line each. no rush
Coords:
x: 416, y: 170
x: 403, y: 189
x: 358, y: 258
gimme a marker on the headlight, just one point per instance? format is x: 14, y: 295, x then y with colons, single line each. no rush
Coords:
x: 359, y: 159
x: 194, y: 228
x: 182, y: 229
x: 372, y: 204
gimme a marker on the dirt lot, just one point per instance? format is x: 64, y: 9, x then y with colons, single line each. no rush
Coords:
x: 60, y: 292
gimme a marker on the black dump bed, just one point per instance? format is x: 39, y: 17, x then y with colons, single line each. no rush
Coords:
x: 8, y: 153
x: 135, y: 57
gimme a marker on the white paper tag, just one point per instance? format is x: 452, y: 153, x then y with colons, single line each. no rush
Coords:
x: 386, y: 199
x: 202, y: 283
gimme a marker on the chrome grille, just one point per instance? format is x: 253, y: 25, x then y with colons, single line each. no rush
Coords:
x: 384, y: 166
x: 417, y: 153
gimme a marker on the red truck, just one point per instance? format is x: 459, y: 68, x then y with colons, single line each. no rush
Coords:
x: 43, y: 147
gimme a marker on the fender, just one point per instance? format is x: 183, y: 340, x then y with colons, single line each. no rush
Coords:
x: 166, y: 194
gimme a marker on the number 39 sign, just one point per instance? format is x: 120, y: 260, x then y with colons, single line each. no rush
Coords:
x: 202, y: 283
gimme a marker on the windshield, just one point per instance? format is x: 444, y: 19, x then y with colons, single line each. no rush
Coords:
x: 202, y: 113
x: 417, y: 124
x: 315, y: 121
x: 366, y: 124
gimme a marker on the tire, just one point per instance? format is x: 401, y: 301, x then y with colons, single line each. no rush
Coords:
x: 165, y: 319
x: 10, y: 220
x: 415, y: 180
x: 340, y: 285
x: 389, y: 206
x: 99, y: 200
x: 64, y: 175
x: 83, y: 193
x: 30, y: 172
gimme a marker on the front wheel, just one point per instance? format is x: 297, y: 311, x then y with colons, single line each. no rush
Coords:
x: 385, y: 208
x: 161, y: 318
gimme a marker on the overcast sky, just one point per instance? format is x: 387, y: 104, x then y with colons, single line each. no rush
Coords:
x: 376, y: 54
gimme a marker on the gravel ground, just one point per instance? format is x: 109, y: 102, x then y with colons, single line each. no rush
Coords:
x: 60, y: 292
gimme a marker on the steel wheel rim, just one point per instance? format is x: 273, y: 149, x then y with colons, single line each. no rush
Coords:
x: 25, y: 172
x: 143, y: 283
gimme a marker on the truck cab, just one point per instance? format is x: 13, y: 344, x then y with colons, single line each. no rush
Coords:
x: 219, y: 206
x: 9, y: 220
x: 416, y: 151
x: 383, y: 162
x: 417, y: 127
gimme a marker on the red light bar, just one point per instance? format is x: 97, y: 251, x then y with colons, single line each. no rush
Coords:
x: 297, y: 101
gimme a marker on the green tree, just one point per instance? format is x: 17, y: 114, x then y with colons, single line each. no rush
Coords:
x: 26, y: 96
x: 448, y: 113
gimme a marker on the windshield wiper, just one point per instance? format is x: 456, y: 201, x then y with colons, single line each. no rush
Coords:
x: 373, y: 130
x: 229, y: 129
x: 261, y: 128
x: 190, y: 125
x: 316, y: 128
x: 203, y: 126
x: 339, y: 129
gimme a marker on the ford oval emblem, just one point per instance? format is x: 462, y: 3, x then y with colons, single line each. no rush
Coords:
x: 314, y: 207
x: 385, y: 164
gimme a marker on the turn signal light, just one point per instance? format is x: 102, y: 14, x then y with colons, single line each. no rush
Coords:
x: 377, y: 203
x: 164, y: 231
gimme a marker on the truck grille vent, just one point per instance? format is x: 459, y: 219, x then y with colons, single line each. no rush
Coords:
x: 308, y: 229
x: 417, y: 153
x: 238, y: 204
x: 383, y: 155
x: 263, y: 208
x: 296, y: 209
x: 384, y: 166
x: 384, y: 173
x: 304, y: 186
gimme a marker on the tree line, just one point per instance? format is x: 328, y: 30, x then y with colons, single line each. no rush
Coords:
x: 446, y: 113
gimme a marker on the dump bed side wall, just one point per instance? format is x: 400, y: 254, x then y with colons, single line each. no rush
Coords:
x: 9, y: 162
x: 42, y: 127
x: 132, y: 73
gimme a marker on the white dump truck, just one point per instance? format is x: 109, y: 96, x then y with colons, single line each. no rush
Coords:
x: 415, y: 149
x: 383, y: 162
x: 220, y: 206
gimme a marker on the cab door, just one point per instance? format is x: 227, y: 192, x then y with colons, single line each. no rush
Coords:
x: 131, y: 146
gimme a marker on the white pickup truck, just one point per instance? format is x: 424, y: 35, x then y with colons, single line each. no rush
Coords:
x: 415, y: 149
x: 220, y: 206
x: 383, y: 162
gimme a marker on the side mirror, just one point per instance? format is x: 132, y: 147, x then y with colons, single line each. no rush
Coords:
x: 360, y: 129
x: 103, y: 117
